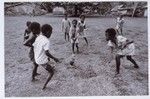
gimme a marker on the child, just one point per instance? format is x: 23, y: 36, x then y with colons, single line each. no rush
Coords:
x: 35, y: 30
x: 41, y: 50
x: 66, y: 26
x: 119, y: 25
x: 27, y: 31
x: 82, y: 27
x: 74, y: 36
x: 124, y: 47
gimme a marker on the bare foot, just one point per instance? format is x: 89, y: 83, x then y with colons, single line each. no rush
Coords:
x: 136, y: 66
x: 33, y: 80
x: 43, y: 87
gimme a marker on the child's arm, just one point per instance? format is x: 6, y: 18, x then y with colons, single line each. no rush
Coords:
x: 30, y: 39
x: 46, y: 48
x: 69, y: 23
x: 51, y: 56
x: 110, y: 46
x: 25, y: 33
x: 84, y: 25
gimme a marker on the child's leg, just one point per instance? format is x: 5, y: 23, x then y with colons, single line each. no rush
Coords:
x: 86, y: 40
x: 117, y: 30
x: 118, y: 57
x: 131, y: 60
x: 73, y: 44
x: 34, y: 72
x: 68, y: 36
x: 65, y: 35
x: 77, y: 47
x: 51, y: 73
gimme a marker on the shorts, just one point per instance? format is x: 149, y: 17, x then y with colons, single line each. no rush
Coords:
x: 48, y: 67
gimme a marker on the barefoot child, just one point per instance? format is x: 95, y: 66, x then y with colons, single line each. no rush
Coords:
x: 119, y: 24
x: 74, y: 36
x: 27, y: 31
x: 35, y: 30
x: 82, y: 27
x: 123, y: 47
x: 41, y: 51
x: 66, y: 26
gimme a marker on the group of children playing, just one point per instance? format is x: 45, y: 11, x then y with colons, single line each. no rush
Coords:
x: 36, y: 37
x: 74, y: 30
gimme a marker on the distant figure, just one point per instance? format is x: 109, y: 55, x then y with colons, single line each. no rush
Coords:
x: 27, y: 31
x: 41, y: 51
x: 122, y: 46
x: 119, y: 25
x: 74, y: 35
x: 35, y: 30
x: 82, y: 26
x: 66, y: 27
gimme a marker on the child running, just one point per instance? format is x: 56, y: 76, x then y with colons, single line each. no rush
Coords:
x: 66, y: 26
x: 35, y: 30
x: 74, y: 36
x: 119, y: 24
x: 82, y: 27
x: 27, y: 31
x: 123, y: 47
x: 41, y: 51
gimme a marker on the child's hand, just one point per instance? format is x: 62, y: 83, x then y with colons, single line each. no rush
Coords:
x: 56, y: 60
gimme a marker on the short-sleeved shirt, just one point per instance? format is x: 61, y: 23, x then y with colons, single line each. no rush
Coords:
x: 65, y: 25
x: 41, y: 44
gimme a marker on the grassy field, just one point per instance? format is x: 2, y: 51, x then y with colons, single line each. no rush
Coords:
x: 92, y: 74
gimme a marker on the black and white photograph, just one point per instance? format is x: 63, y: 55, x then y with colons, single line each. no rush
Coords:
x: 71, y: 49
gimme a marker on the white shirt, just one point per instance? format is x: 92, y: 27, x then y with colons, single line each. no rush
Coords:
x: 81, y: 26
x: 119, y: 22
x: 65, y: 25
x: 41, y: 44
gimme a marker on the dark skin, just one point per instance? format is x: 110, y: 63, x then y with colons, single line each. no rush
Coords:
x: 118, y: 57
x: 27, y: 31
x: 28, y: 43
x: 74, y: 39
x: 49, y: 68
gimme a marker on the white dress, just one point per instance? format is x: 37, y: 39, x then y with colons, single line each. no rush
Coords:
x: 129, y: 50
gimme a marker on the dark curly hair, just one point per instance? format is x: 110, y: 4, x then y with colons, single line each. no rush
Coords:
x: 110, y: 34
x: 35, y: 27
x: 46, y: 30
x: 28, y: 23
